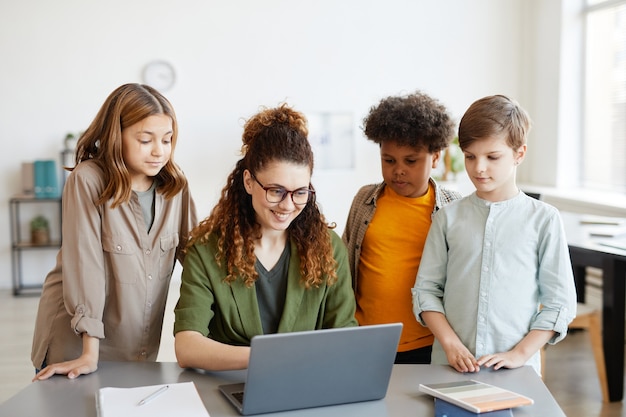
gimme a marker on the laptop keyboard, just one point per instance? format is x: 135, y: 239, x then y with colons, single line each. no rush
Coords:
x: 238, y: 396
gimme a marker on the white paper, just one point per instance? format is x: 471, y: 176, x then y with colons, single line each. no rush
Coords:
x: 613, y: 243
x: 180, y: 399
x: 607, y: 231
x: 592, y: 219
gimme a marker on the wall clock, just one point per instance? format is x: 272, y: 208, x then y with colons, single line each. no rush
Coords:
x: 159, y: 74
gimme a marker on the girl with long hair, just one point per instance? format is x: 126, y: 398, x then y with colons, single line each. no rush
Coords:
x: 127, y: 213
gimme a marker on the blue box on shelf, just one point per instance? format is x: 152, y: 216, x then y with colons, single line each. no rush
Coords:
x: 46, y: 181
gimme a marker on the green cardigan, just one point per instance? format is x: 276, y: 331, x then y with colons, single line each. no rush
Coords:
x: 229, y: 313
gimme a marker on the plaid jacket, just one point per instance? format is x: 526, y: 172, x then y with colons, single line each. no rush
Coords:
x: 362, y: 211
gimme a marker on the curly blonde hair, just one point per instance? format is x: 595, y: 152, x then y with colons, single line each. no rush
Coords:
x: 272, y: 135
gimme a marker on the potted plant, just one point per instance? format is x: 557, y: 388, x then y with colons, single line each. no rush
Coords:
x: 70, y: 141
x: 39, y: 230
x: 453, y: 160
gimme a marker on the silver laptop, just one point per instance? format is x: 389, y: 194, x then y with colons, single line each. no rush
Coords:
x: 289, y: 371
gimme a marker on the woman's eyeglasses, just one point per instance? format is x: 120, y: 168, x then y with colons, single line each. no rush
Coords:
x: 300, y: 197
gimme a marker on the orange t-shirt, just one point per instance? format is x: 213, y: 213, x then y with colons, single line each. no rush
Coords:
x: 390, y: 256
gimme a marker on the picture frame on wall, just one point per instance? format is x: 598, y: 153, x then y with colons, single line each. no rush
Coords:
x: 332, y: 138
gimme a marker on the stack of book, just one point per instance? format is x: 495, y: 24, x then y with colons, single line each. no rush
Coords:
x: 471, y: 398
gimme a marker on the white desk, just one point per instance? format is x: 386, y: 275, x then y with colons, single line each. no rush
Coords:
x: 61, y: 397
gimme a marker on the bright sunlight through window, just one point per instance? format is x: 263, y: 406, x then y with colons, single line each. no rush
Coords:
x: 604, y: 143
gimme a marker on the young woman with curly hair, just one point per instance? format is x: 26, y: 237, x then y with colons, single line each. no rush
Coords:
x: 265, y: 260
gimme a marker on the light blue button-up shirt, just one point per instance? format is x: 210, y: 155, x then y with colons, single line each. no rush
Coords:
x: 497, y: 271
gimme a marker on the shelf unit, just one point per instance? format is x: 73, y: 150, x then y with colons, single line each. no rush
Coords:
x: 19, y: 245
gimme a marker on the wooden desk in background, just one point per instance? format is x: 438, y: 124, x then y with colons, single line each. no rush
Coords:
x: 586, y: 250
x: 62, y: 397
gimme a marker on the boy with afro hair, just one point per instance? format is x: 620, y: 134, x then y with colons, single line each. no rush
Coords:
x: 388, y: 222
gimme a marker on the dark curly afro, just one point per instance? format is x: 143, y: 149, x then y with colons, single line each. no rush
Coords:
x: 415, y: 120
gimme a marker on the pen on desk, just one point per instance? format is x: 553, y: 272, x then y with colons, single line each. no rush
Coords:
x: 154, y: 395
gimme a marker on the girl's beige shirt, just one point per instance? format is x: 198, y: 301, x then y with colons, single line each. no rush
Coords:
x: 112, y: 276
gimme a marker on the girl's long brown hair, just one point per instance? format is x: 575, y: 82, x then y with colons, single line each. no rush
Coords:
x: 273, y: 135
x: 102, y: 141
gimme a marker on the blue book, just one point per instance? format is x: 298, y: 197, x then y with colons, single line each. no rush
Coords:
x: 446, y: 409
x: 46, y: 182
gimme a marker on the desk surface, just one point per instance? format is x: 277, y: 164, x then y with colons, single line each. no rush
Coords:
x: 62, y: 397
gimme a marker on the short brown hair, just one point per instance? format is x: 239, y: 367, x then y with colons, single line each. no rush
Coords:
x: 491, y: 116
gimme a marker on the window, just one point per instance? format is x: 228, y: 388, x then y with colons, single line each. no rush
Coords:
x: 604, y: 136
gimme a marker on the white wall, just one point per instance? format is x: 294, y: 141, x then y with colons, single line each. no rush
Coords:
x: 59, y: 60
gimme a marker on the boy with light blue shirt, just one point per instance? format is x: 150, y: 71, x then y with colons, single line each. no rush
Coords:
x: 495, y: 283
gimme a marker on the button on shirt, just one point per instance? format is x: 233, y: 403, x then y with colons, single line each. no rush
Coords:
x: 489, y: 267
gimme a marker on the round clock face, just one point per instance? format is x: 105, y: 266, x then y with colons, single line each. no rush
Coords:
x: 159, y: 74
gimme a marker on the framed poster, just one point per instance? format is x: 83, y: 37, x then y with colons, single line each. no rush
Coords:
x: 332, y: 138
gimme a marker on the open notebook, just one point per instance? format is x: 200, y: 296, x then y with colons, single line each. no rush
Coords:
x: 178, y: 399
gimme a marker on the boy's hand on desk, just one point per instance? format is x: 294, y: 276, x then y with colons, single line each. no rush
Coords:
x: 502, y: 360
x: 520, y: 354
x: 72, y: 369
x: 460, y: 358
